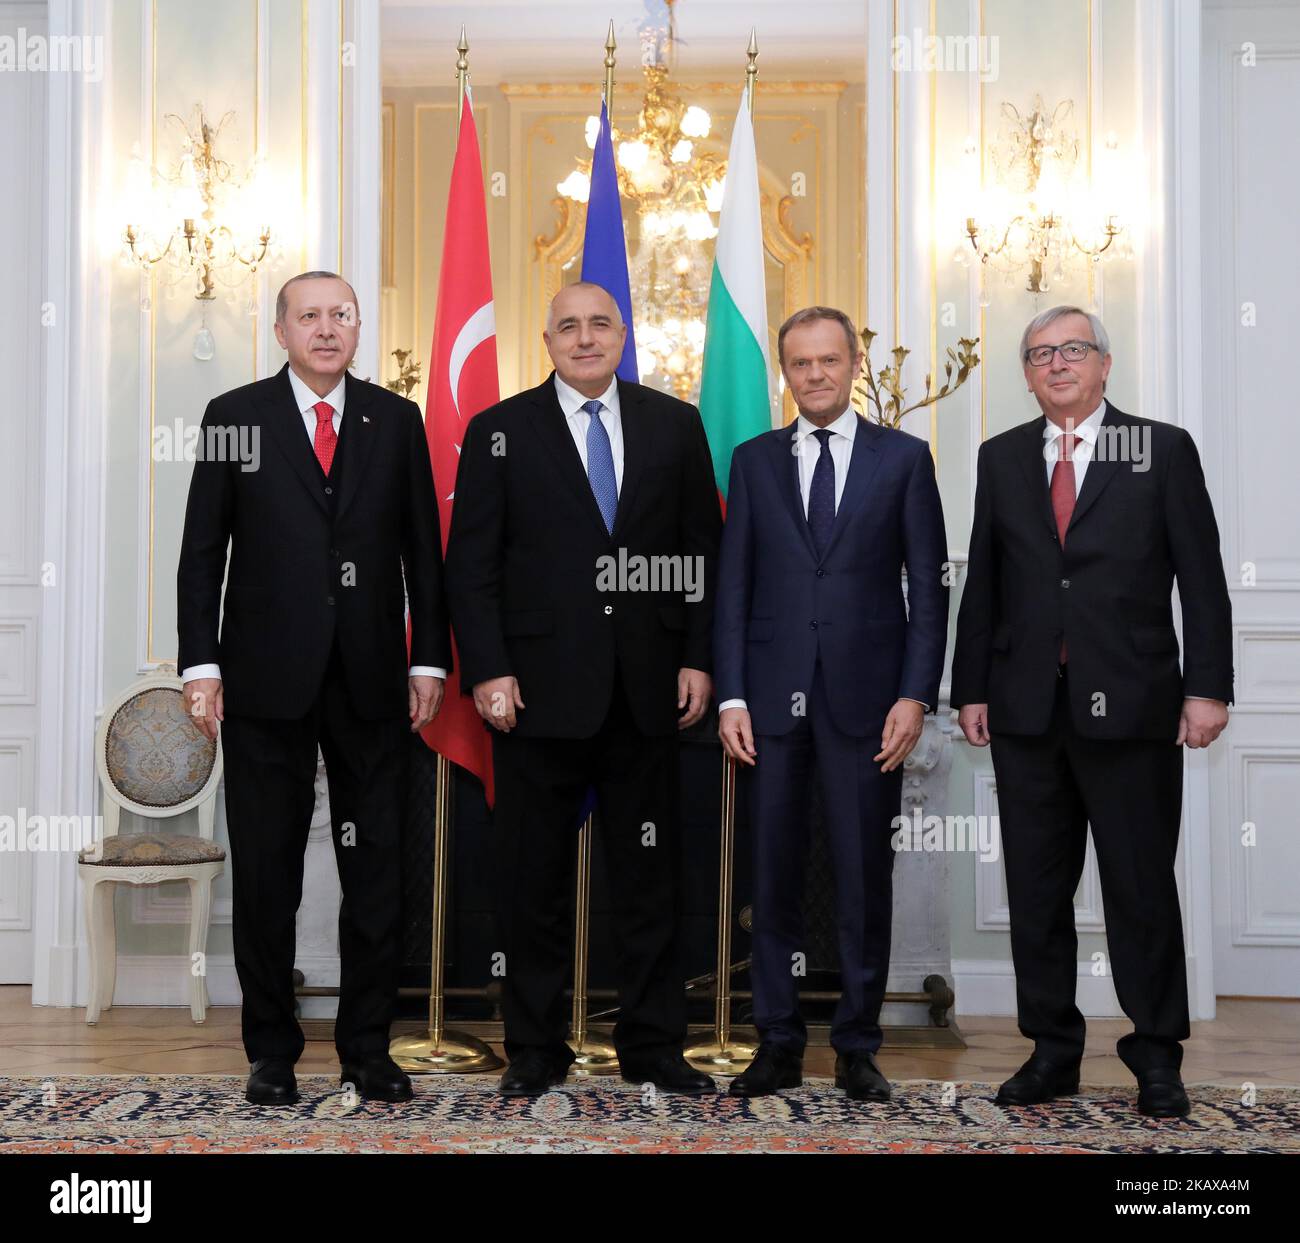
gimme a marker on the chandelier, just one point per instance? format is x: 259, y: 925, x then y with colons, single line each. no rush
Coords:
x: 204, y: 224
x: 674, y: 191
x: 1041, y: 213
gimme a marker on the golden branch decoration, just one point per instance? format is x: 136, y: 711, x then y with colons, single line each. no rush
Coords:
x: 882, y: 393
x: 408, y: 375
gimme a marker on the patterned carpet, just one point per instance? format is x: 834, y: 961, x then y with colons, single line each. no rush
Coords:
x: 207, y: 1113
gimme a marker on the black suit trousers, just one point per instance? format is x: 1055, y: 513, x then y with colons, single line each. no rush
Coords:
x: 1051, y: 788
x: 540, y: 787
x: 270, y: 772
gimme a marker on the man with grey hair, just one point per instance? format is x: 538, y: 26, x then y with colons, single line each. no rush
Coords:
x: 1067, y: 662
x: 329, y: 539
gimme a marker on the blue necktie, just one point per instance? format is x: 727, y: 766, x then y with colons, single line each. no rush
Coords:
x: 600, y: 465
x: 821, y: 494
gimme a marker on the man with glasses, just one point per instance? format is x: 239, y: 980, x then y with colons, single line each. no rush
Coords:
x: 1067, y: 661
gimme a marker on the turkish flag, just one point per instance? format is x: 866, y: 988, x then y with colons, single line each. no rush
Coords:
x: 462, y: 381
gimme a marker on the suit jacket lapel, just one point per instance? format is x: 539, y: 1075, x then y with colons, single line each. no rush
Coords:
x: 785, y: 465
x: 284, y: 422
x: 553, y: 431
x: 1034, y: 464
x: 357, y: 445
x: 863, y: 462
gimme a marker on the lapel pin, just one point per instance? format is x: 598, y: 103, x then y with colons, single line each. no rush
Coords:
x: 365, y: 418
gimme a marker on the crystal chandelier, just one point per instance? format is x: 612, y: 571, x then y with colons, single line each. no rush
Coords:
x: 674, y: 191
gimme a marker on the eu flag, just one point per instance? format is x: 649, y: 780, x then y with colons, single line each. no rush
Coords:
x: 604, y: 248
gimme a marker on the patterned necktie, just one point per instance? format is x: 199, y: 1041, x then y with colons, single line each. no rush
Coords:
x: 600, y: 465
x: 1063, y: 496
x: 821, y: 494
x: 326, y: 438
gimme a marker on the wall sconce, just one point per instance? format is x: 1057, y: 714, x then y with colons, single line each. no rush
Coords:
x: 1041, y: 212
x: 200, y: 222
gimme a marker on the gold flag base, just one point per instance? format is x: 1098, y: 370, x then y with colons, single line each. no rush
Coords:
x: 594, y: 1055
x: 716, y: 1058
x: 455, y: 1054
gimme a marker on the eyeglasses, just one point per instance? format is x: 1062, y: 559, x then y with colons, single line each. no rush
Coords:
x: 1071, y: 351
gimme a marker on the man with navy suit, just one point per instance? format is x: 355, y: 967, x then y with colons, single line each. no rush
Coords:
x: 822, y: 666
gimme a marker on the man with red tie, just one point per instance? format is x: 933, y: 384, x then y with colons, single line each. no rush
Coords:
x: 332, y: 535
x: 1067, y: 661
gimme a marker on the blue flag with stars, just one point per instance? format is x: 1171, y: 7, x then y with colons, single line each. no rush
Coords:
x: 604, y: 247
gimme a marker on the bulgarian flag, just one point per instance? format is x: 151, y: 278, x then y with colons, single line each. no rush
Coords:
x: 736, y: 387
x: 462, y: 381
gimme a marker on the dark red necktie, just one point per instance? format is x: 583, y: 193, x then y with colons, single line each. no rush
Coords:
x: 1063, y: 495
x: 327, y: 438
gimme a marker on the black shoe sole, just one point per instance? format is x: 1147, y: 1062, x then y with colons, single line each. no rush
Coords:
x: 789, y: 1080
x: 1177, y: 1112
x: 391, y: 1098
x: 528, y: 1091
x: 675, y: 1091
x: 514, y: 1091
x: 1070, y: 1088
x: 874, y: 1095
x: 285, y: 1099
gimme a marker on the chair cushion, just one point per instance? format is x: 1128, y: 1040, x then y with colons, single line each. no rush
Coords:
x: 153, y: 849
x: 154, y: 753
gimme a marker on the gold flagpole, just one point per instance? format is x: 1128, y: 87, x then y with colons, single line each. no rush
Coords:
x: 720, y: 1054
x: 439, y: 1051
x: 594, y: 1054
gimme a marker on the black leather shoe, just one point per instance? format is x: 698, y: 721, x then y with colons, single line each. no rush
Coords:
x: 859, y: 1076
x: 775, y: 1066
x: 1039, y: 1081
x: 669, y: 1071
x: 1161, y: 1093
x: 271, y: 1082
x: 533, y: 1072
x: 377, y: 1078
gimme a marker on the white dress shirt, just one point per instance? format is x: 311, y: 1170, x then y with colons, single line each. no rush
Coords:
x: 1085, y: 441
x: 807, y: 449
x: 307, y: 400
x: 571, y: 402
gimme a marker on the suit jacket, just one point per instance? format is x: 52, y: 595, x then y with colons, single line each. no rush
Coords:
x: 1133, y: 531
x: 525, y: 554
x: 313, y: 558
x: 780, y: 606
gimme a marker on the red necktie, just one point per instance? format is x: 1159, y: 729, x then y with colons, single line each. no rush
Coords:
x: 1063, y: 495
x: 327, y: 439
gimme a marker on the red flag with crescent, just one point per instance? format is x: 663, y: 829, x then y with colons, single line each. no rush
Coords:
x: 462, y: 381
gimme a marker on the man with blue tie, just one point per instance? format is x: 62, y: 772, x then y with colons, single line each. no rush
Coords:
x: 823, y: 666
x: 580, y: 574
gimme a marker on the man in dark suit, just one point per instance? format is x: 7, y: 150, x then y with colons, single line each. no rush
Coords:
x: 312, y: 650
x: 821, y: 666
x: 1067, y: 660
x: 580, y: 571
